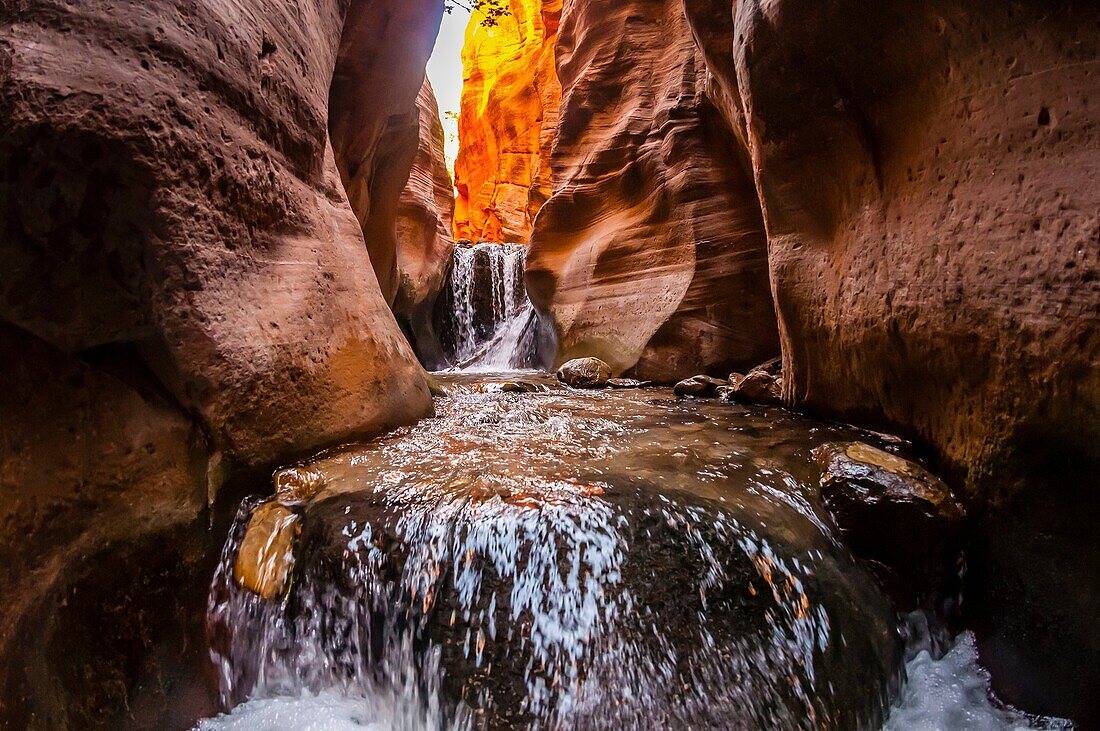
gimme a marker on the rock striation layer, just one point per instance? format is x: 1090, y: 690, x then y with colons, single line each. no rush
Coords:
x: 510, y: 97
x: 650, y: 253
x: 185, y: 296
x: 424, y: 243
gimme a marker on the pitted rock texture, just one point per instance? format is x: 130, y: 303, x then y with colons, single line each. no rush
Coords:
x: 930, y: 185
x: 510, y: 99
x: 650, y: 254
x: 424, y: 243
x: 185, y: 294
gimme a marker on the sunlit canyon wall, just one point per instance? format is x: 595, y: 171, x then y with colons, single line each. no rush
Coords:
x: 510, y: 97
x: 650, y: 252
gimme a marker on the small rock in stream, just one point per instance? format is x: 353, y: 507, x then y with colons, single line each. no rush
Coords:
x: 585, y: 373
x: 725, y: 393
x: 895, y: 513
x: 266, y: 556
x: 297, y: 484
x: 698, y: 386
x: 511, y: 387
x: 759, y: 387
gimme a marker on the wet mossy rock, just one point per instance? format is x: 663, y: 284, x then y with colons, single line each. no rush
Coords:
x: 897, y: 514
x: 584, y: 373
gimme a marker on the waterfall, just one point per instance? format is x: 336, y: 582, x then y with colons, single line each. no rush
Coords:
x: 488, y: 321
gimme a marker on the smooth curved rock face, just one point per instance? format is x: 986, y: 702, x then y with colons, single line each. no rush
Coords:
x: 424, y: 242
x: 510, y: 98
x: 650, y: 254
x: 931, y: 190
x: 375, y: 120
x: 184, y: 291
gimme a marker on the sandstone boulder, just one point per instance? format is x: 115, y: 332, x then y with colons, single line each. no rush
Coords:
x: 698, y: 386
x: 895, y: 513
x: 584, y: 373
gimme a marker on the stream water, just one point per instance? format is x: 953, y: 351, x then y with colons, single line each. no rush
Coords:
x: 594, y: 560
x: 537, y: 557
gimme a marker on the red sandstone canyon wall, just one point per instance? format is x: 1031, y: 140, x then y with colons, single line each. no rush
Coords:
x: 185, y: 294
x: 424, y: 222
x: 510, y: 97
x: 650, y: 253
x: 929, y: 179
x: 374, y: 118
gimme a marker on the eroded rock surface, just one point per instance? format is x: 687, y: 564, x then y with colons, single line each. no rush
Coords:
x: 424, y: 242
x: 585, y: 373
x: 650, y: 254
x: 929, y: 183
x: 185, y: 294
x: 895, y: 513
x: 510, y: 98
x: 375, y: 118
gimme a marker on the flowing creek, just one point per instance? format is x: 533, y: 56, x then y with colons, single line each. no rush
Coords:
x: 605, y: 559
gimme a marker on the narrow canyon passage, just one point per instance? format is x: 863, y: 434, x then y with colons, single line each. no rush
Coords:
x: 557, y: 365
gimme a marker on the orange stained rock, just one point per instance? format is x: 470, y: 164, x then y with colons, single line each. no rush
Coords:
x: 510, y: 99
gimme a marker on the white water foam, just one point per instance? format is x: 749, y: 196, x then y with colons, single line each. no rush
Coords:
x: 326, y: 711
x: 949, y: 694
x: 952, y: 694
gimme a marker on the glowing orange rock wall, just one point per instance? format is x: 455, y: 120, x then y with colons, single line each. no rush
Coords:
x: 510, y: 99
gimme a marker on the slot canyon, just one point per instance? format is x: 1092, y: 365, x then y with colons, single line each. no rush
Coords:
x: 649, y: 364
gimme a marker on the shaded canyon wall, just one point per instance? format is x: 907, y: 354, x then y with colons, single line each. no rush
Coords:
x: 510, y: 97
x: 424, y: 243
x: 929, y: 176
x: 650, y: 253
x: 918, y: 184
x: 186, y: 296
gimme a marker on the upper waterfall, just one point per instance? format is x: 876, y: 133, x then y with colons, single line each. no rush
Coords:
x: 488, y: 322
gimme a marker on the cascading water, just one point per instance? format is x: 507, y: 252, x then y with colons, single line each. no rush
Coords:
x: 489, y: 320
x: 557, y: 560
